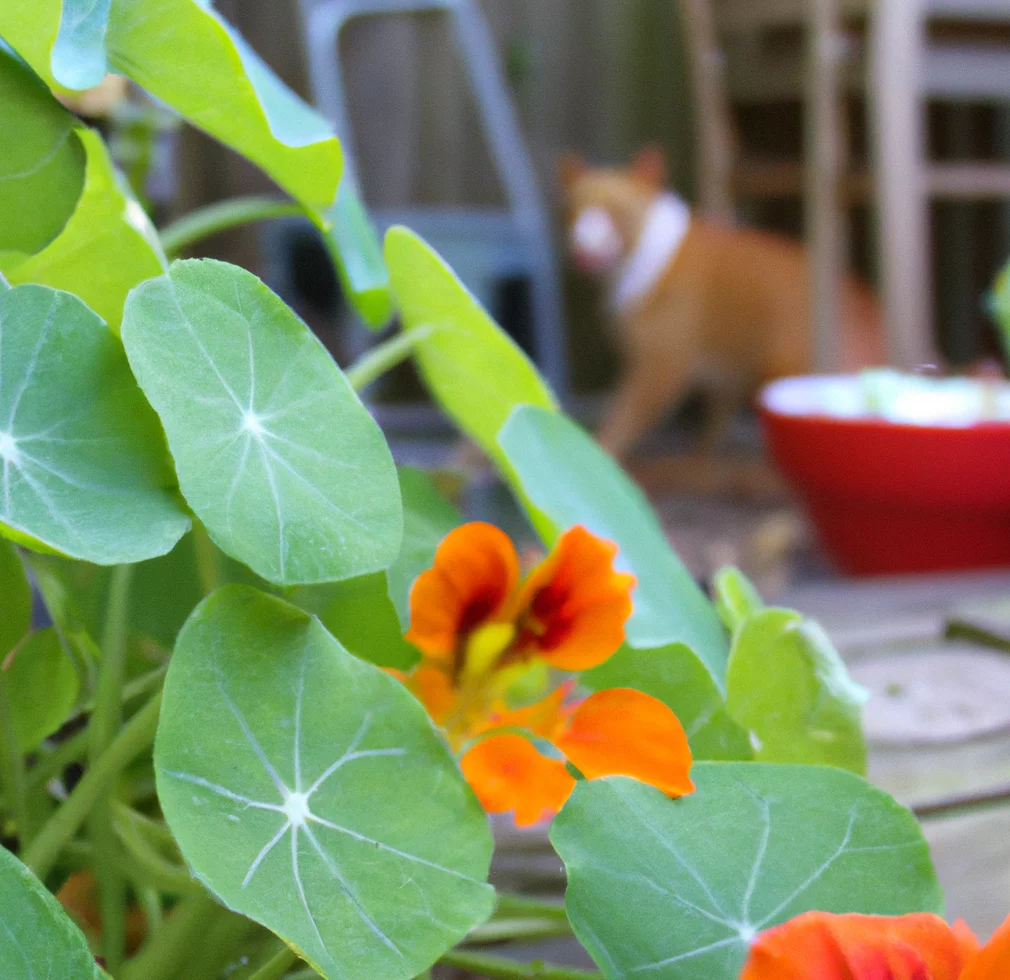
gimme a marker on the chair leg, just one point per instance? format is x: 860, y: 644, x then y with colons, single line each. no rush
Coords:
x: 897, y: 107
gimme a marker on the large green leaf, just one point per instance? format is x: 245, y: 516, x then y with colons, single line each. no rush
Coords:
x: 677, y: 889
x: 275, y: 452
x: 571, y: 480
x: 224, y: 87
x: 675, y: 676
x: 16, y: 601
x: 787, y: 685
x: 84, y: 467
x: 41, y: 160
x: 37, y: 938
x: 473, y: 368
x: 427, y: 518
x: 107, y: 246
x: 43, y: 687
x: 311, y: 793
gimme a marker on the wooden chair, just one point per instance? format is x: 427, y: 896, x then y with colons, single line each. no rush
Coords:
x: 903, y: 66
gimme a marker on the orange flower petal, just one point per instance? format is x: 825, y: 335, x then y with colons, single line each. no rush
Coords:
x: 966, y: 939
x: 475, y: 571
x: 546, y: 718
x: 992, y: 962
x: 573, y: 607
x: 508, y: 773
x: 622, y: 732
x: 433, y: 688
x: 820, y: 946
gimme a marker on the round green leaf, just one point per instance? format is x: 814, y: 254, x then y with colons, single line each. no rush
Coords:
x: 16, y: 604
x: 788, y: 686
x: 275, y: 453
x: 675, y: 676
x: 310, y: 792
x: 678, y: 889
x: 41, y: 160
x: 84, y: 469
x: 37, y: 938
x: 107, y: 246
x: 473, y: 368
x: 571, y: 480
x: 43, y: 685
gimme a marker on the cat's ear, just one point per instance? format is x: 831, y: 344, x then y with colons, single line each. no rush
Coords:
x: 571, y: 167
x: 649, y: 166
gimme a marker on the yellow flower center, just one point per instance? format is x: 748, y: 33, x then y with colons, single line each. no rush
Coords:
x: 484, y: 647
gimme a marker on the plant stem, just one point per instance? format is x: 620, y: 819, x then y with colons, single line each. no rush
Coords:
x: 206, y: 559
x: 221, y: 216
x: 960, y: 806
x: 383, y: 357
x: 521, y: 907
x: 52, y: 764
x: 136, y: 736
x: 500, y: 929
x: 499, y: 968
x: 277, y: 966
x: 166, y: 951
x: 12, y: 764
x: 105, y: 722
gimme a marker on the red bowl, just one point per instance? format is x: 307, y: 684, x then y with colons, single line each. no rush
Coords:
x: 889, y: 497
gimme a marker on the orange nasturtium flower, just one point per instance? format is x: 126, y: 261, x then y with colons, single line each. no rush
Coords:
x: 819, y: 946
x: 481, y: 629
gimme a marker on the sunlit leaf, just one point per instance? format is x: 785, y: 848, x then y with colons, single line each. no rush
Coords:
x: 675, y: 676
x: 83, y: 467
x: 427, y: 518
x: 43, y: 687
x: 107, y: 246
x: 310, y: 792
x: 475, y: 371
x: 571, y: 480
x: 678, y: 889
x: 735, y: 597
x: 788, y: 686
x: 41, y: 160
x: 16, y: 604
x: 275, y: 452
x: 37, y: 938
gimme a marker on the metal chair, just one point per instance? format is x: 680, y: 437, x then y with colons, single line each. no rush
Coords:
x: 484, y: 246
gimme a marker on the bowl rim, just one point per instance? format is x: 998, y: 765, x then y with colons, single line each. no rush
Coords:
x: 868, y: 422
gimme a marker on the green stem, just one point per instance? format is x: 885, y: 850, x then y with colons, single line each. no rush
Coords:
x: 136, y: 736
x: 277, y: 966
x: 521, y: 907
x: 221, y: 216
x: 52, y: 764
x: 383, y: 357
x: 206, y: 559
x: 499, y: 968
x: 105, y: 722
x: 166, y: 951
x: 499, y: 930
x: 12, y: 764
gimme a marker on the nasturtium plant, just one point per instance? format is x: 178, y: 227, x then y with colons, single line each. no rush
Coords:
x: 268, y: 687
x: 284, y: 768
x: 37, y: 938
x: 84, y: 468
x: 265, y: 431
x: 679, y: 889
x: 789, y: 688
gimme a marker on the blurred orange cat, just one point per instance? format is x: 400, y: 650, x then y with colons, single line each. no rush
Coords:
x: 697, y: 304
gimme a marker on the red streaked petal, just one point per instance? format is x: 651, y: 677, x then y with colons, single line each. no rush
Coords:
x: 622, y: 732
x: 476, y: 570
x: 508, y: 773
x: 573, y: 607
